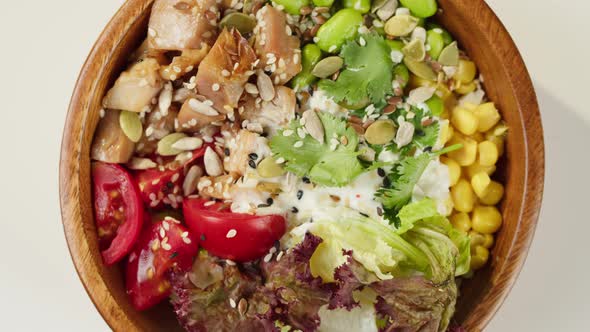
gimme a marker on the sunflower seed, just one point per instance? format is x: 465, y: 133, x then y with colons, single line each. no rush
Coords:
x: 313, y: 125
x: 141, y: 164
x: 191, y: 180
x: 405, y: 133
x: 188, y: 143
x: 265, y: 87
x: 202, y: 107
x: 165, y: 99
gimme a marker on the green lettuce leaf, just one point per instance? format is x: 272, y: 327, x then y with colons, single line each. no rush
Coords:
x: 322, y: 165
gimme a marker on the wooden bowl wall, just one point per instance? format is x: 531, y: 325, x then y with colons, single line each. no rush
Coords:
x: 506, y: 81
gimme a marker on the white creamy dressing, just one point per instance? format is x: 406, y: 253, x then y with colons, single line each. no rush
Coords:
x: 321, y: 101
x: 434, y: 183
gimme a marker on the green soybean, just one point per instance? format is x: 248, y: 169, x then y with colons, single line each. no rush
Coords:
x: 339, y: 28
x: 436, y: 42
x: 447, y: 38
x: 323, y: 3
x: 436, y: 105
x: 292, y: 6
x: 395, y: 45
x: 310, y: 56
x: 401, y: 74
x: 421, y: 8
x: 362, y: 6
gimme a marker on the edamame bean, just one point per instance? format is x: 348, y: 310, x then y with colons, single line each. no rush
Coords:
x: 310, y: 56
x: 362, y: 6
x: 401, y: 74
x: 436, y: 42
x: 447, y: 38
x: 421, y: 8
x: 436, y: 105
x: 339, y: 28
x: 323, y: 3
x: 292, y: 6
x: 395, y: 45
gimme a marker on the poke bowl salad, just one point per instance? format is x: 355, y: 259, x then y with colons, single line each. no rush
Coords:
x: 298, y: 165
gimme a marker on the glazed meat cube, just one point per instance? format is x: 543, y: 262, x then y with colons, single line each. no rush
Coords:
x: 274, y: 114
x: 182, y: 24
x: 225, y: 70
x: 110, y: 144
x: 277, y: 50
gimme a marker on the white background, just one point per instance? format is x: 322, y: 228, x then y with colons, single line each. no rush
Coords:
x: 43, y: 46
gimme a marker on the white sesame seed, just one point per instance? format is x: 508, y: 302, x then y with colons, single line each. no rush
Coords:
x: 362, y: 41
x: 166, y: 225
x: 175, y: 177
x: 280, y: 255
x: 301, y: 132
x: 287, y: 132
x: 229, y: 262
x: 186, y: 240
x: 209, y: 203
x: 152, y: 197
x: 101, y: 113
x: 280, y: 160
x: 296, y: 58
x: 332, y: 48
x: 267, y: 258
x: 225, y: 73
x: 232, y: 303
x: 166, y: 246
x: 231, y: 233
x: 162, y: 233
x: 298, y: 144
x: 215, y: 87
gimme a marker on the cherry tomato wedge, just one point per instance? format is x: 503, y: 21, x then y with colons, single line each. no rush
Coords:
x: 161, y: 246
x: 235, y: 236
x: 118, y: 210
x: 163, y: 186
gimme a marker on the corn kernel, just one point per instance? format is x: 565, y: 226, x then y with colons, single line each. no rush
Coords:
x: 476, y: 239
x: 476, y: 167
x: 461, y: 221
x: 467, y: 154
x: 494, y: 194
x: 480, y: 183
x: 446, y: 132
x: 463, y: 196
x: 479, y: 257
x: 454, y: 169
x: 488, y: 153
x: 469, y: 106
x: 488, y: 241
x: 464, y: 121
x: 466, y: 71
x: 486, y: 219
x: 443, y: 91
x: 498, y: 141
x: 488, y: 116
x: 466, y: 88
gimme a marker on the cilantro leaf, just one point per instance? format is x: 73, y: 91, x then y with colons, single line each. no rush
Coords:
x: 368, y: 72
x: 316, y: 160
x: 403, y: 178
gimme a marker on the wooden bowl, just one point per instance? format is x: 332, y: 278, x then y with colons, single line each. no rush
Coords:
x: 506, y: 81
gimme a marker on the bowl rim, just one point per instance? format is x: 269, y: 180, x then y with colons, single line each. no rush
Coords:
x: 70, y: 178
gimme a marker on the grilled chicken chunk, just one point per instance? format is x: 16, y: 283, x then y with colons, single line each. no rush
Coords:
x: 274, y: 114
x: 225, y: 70
x: 182, y: 24
x: 110, y: 144
x: 135, y: 88
x: 277, y: 50
x: 161, y: 125
x: 196, y: 114
x: 184, y: 63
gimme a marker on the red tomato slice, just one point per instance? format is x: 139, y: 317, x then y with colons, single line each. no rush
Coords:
x: 161, y: 246
x: 163, y: 186
x: 118, y: 210
x: 235, y: 236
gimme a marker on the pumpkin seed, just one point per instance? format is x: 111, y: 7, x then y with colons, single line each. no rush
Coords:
x: 449, y: 55
x: 268, y: 187
x: 380, y: 132
x: 165, y: 144
x: 131, y: 125
x: 242, y: 22
x: 387, y: 10
x: 327, y: 66
x: 415, y: 50
x: 401, y: 25
x: 268, y: 168
x: 420, y: 69
x: 313, y: 125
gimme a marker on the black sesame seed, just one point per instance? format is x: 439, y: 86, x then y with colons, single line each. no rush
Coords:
x: 299, y: 194
x: 269, y: 201
x: 386, y: 182
x: 420, y: 133
x: 253, y: 156
x: 252, y: 163
x: 226, y: 151
x: 381, y: 172
x: 364, y: 215
x: 268, y: 72
x: 202, y: 237
x: 428, y: 149
x: 263, y: 205
x: 379, y: 211
x: 174, y: 254
x: 305, y: 179
x: 170, y: 185
x: 294, y: 210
